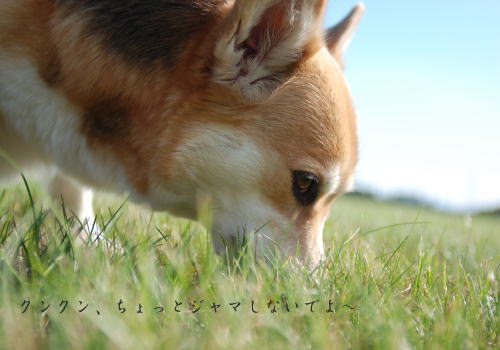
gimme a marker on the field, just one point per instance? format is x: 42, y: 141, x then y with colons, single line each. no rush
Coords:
x: 395, y: 277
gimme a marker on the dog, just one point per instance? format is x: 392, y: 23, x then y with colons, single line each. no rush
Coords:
x: 243, y: 101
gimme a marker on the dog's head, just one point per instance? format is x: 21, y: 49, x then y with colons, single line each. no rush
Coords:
x: 272, y: 139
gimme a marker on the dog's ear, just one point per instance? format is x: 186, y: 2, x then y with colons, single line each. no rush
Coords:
x: 339, y: 36
x: 260, y: 43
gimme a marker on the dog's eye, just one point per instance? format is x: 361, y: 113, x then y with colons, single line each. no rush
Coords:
x: 305, y: 187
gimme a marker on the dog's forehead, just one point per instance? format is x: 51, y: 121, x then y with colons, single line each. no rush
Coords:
x: 312, y: 117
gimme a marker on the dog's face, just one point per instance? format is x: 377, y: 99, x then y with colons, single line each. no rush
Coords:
x: 272, y: 140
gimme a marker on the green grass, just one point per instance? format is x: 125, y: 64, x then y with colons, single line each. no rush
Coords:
x: 398, y: 277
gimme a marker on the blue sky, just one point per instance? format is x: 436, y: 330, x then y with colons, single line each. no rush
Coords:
x: 425, y: 79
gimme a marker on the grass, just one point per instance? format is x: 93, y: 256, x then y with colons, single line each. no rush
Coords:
x: 397, y: 277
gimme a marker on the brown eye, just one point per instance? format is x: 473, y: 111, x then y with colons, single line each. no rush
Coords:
x: 305, y: 186
x: 304, y: 183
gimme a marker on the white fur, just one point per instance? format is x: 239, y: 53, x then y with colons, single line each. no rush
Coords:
x: 332, y: 180
x: 50, y: 124
x: 319, y: 238
x: 227, y: 165
x: 39, y: 130
x: 350, y: 183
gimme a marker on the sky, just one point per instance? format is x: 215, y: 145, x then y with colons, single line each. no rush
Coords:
x: 425, y: 80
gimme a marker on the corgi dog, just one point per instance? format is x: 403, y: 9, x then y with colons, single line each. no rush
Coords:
x: 172, y: 100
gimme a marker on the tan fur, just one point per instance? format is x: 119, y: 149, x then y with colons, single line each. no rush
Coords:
x: 141, y: 116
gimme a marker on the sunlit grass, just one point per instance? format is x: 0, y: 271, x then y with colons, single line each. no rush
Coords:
x: 397, y: 277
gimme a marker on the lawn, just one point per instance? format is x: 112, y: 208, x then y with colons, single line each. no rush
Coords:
x: 395, y: 277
